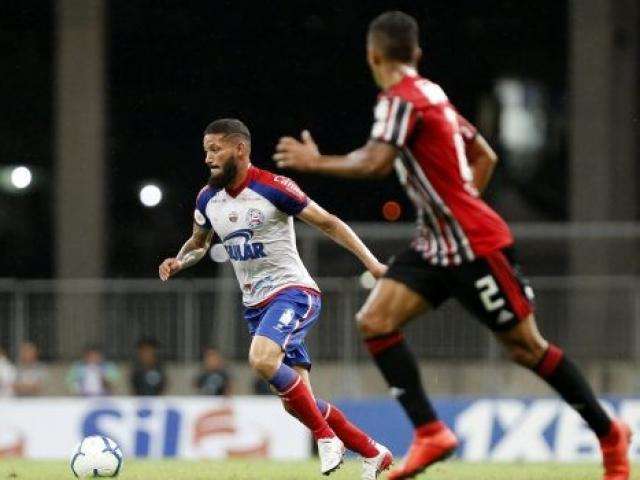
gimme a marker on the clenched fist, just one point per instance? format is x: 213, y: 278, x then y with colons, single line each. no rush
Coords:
x: 169, y: 267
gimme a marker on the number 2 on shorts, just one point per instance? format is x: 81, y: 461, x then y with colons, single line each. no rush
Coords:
x: 488, y: 289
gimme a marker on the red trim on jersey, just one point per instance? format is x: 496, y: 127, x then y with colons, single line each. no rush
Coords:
x: 251, y: 174
x: 377, y: 345
x: 283, y: 289
x: 280, y: 183
x: 550, y: 361
x: 506, y: 277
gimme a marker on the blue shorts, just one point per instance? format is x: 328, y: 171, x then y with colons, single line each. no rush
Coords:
x: 286, y: 320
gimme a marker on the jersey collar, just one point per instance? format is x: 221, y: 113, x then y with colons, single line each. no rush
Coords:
x: 251, y: 173
x: 407, y: 72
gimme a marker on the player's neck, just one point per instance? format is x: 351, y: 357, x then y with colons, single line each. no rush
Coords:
x: 393, y: 73
x: 241, y: 176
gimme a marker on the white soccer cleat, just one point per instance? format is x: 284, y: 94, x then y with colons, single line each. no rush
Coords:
x: 372, y: 467
x: 331, y: 452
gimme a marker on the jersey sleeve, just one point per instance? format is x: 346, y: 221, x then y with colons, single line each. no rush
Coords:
x: 467, y: 129
x: 394, y: 120
x: 283, y: 192
x: 200, y: 214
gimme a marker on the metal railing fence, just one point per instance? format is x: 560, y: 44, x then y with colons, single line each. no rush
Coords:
x: 592, y: 317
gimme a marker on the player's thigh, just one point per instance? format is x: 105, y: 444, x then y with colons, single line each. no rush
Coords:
x: 287, y: 321
x: 389, y: 306
x: 410, y: 287
x: 494, y: 291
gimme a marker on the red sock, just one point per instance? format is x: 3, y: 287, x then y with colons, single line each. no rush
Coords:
x: 300, y: 401
x: 352, y: 437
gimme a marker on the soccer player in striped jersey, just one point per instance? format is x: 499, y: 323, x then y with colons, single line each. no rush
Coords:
x: 462, y: 248
x: 251, y: 212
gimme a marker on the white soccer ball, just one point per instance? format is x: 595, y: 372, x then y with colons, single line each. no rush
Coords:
x: 96, y: 456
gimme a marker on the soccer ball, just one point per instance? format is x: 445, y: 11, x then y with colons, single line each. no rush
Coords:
x: 96, y: 456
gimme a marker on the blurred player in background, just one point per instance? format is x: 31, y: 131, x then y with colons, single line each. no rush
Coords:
x: 462, y: 248
x: 251, y: 211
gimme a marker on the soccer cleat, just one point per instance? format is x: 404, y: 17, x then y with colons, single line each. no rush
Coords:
x: 615, y: 448
x: 372, y: 467
x: 425, y: 451
x: 331, y: 452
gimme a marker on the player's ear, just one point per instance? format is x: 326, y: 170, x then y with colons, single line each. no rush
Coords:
x: 242, y: 148
x: 376, y: 57
x: 417, y: 55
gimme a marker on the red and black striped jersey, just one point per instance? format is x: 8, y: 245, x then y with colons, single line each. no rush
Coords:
x: 454, y: 224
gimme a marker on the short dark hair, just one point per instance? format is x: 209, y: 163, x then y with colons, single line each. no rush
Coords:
x: 228, y: 126
x: 396, y: 34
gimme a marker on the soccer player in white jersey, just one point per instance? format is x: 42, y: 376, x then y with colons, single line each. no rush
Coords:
x: 251, y: 212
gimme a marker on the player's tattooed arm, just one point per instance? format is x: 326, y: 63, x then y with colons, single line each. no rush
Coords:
x: 193, y: 250
x: 373, y: 160
x: 482, y: 160
x: 341, y: 233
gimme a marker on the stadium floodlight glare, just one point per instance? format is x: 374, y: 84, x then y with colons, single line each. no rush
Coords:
x: 21, y: 177
x: 150, y: 195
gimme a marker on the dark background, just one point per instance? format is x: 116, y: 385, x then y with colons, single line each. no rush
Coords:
x: 280, y: 67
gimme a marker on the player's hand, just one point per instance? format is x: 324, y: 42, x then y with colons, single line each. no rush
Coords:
x: 168, y: 268
x: 378, y: 270
x: 297, y: 155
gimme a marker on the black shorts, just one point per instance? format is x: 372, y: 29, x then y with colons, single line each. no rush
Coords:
x: 491, y: 287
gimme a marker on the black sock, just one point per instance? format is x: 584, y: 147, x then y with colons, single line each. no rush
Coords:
x: 565, y: 377
x: 400, y: 370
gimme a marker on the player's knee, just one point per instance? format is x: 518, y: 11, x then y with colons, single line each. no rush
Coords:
x: 263, y: 363
x: 372, y: 324
x: 526, y: 354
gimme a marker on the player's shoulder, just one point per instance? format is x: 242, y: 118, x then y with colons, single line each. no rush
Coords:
x: 417, y: 90
x: 205, y: 194
x: 265, y: 181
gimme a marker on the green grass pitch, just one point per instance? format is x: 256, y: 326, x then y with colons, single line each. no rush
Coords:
x: 271, y: 470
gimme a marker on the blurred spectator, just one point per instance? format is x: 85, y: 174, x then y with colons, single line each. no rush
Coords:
x: 213, y: 379
x: 93, y: 376
x: 30, y: 374
x: 147, y: 377
x: 7, y: 375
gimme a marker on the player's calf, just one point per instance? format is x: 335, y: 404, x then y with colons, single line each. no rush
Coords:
x: 527, y: 347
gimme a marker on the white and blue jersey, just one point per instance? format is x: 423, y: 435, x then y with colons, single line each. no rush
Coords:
x: 254, y: 222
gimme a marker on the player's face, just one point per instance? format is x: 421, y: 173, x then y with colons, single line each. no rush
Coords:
x: 221, y: 158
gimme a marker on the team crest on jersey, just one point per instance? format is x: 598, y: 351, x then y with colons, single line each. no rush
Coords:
x: 233, y: 217
x: 254, y: 218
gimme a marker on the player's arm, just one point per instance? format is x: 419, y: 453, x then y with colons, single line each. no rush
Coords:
x: 482, y: 160
x: 373, y: 160
x: 193, y: 250
x: 341, y: 233
x: 480, y: 156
